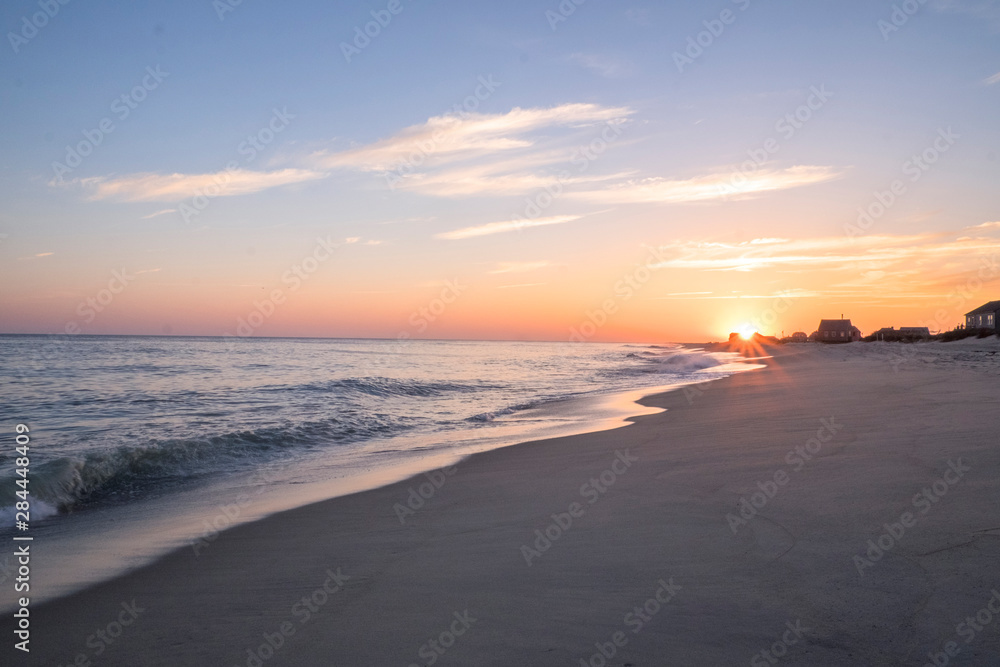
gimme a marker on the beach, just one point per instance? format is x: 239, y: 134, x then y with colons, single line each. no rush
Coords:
x: 838, y: 507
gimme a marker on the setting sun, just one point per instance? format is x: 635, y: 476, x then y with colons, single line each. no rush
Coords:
x: 746, y: 331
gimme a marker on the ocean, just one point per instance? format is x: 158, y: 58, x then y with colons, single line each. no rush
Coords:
x: 143, y: 444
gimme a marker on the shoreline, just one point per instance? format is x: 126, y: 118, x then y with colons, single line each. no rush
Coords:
x: 658, y: 531
x: 138, y: 534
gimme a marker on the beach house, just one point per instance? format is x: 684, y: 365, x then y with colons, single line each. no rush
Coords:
x: 837, y: 331
x: 987, y: 316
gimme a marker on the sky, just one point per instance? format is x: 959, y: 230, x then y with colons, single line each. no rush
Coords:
x: 529, y: 170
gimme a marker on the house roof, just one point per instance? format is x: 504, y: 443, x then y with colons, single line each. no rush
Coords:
x: 991, y: 307
x: 835, y: 325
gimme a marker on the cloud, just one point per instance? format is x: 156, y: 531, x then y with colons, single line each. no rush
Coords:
x: 990, y: 80
x: 178, y: 187
x: 37, y: 256
x: 520, y: 152
x: 519, y: 267
x: 704, y: 188
x: 504, y: 226
x: 160, y: 212
x: 447, y: 138
x: 878, y: 257
x: 987, y: 225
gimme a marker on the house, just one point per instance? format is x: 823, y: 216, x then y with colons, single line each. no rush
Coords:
x: 837, y: 331
x: 986, y: 316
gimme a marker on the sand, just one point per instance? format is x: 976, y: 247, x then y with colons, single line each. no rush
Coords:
x: 646, y: 569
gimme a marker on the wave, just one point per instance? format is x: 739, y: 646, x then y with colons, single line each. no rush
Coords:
x: 381, y: 386
x: 125, y: 472
x: 491, y: 416
x: 676, y: 362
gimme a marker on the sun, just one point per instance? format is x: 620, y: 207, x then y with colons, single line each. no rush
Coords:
x: 746, y: 331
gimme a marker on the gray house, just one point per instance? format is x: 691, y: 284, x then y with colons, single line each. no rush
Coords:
x: 837, y: 331
x: 986, y: 316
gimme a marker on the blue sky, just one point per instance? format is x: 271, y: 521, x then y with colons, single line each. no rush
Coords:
x: 678, y: 136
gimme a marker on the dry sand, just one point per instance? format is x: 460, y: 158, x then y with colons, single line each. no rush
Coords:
x: 456, y: 573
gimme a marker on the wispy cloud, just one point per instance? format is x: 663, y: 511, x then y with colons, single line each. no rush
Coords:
x: 160, y: 212
x: 522, y: 151
x: 444, y: 139
x: 875, y: 258
x: 178, y: 187
x: 504, y: 226
x: 39, y: 255
x: 704, y: 188
x: 990, y: 80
